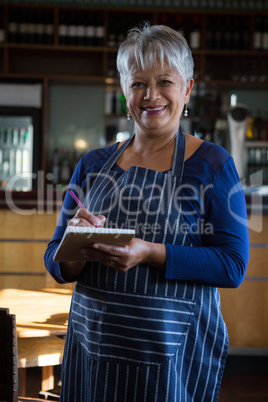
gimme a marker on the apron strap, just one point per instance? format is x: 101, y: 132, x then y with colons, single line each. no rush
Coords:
x: 112, y: 160
x: 179, y: 154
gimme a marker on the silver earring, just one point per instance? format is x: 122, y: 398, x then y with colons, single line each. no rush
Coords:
x: 185, y: 113
x: 128, y: 116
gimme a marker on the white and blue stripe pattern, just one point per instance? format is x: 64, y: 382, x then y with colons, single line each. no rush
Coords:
x: 137, y: 336
x: 122, y: 326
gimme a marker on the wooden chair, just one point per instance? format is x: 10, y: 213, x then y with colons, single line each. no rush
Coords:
x: 8, y: 359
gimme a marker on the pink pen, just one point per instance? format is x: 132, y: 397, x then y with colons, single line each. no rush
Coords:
x: 75, y: 197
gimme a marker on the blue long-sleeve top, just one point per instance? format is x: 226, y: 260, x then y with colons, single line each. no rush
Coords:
x: 215, y: 217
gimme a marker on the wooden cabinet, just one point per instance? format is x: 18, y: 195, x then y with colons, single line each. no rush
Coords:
x: 81, y: 42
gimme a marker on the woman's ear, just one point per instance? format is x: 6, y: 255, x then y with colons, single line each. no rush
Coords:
x: 189, y: 87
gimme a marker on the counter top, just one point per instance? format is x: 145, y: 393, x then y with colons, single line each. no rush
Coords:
x: 40, y: 201
x: 256, y: 199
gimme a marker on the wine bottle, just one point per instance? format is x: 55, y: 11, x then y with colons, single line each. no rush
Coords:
x: 81, y: 30
x: 99, y: 33
x: 209, y: 35
x: 236, y: 35
x: 114, y: 103
x: 179, y: 25
x: 22, y: 29
x: 265, y: 35
x: 13, y: 27
x: 217, y: 34
x: 65, y: 173
x: 30, y: 29
x: 2, y: 34
x: 195, y: 36
x: 257, y: 38
x: 71, y: 32
x: 40, y: 28
x: 123, y: 105
x: 56, y: 167
x: 49, y: 29
x: 245, y: 36
x: 90, y: 31
x: 62, y: 30
x: 227, y: 36
x: 111, y: 42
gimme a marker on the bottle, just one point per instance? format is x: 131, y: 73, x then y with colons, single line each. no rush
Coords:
x: 195, y: 36
x: 13, y: 27
x: 49, y: 29
x: 209, y: 35
x: 2, y: 33
x: 6, y: 163
x: 245, y: 35
x: 81, y: 39
x: 90, y: 32
x: 9, y: 136
x: 30, y: 31
x: 217, y: 34
x: 114, y: 103
x: 123, y: 105
x: 236, y: 35
x: 249, y: 134
x: 62, y: 30
x: 22, y: 29
x: 99, y: 33
x: 2, y: 136
x: 227, y: 37
x: 40, y: 28
x: 256, y: 128
x: 265, y: 35
x: 71, y: 32
x: 22, y: 137
x: 55, y: 166
x: 111, y: 41
x: 257, y: 38
x: 179, y: 25
x: 15, y: 137
x: 65, y: 173
x: 120, y: 33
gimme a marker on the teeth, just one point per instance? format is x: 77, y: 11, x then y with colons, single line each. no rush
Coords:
x: 155, y: 108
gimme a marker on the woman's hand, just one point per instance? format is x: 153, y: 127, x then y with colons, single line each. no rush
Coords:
x: 70, y: 270
x: 123, y: 258
x: 85, y: 218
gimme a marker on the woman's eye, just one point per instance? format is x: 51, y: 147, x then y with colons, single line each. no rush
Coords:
x: 165, y: 82
x: 137, y: 84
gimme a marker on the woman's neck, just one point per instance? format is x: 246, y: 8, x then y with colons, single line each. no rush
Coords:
x: 152, y: 153
x: 152, y: 144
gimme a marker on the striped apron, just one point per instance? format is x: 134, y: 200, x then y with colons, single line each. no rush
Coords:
x: 137, y: 336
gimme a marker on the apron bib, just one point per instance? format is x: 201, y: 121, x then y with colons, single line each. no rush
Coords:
x: 136, y: 336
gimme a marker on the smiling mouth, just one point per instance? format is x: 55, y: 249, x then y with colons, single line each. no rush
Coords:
x: 154, y: 109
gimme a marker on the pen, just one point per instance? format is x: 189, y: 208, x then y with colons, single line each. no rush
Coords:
x: 75, y: 197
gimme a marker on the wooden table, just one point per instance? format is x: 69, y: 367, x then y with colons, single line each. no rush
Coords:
x: 41, y: 317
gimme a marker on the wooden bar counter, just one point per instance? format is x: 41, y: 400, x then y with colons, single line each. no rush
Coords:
x: 41, y: 318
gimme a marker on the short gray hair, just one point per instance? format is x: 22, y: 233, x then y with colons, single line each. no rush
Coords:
x: 146, y: 45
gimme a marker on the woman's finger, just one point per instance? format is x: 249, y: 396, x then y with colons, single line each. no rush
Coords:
x: 85, y: 218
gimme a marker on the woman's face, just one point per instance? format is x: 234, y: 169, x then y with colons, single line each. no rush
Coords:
x: 155, y: 99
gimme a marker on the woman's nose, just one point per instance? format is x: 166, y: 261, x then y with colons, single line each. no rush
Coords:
x: 152, y: 93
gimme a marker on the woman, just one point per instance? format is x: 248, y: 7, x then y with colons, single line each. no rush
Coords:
x: 145, y: 320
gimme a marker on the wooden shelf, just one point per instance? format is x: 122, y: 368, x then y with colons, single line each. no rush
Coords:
x: 58, y: 63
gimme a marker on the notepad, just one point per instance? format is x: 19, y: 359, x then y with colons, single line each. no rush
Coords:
x: 77, y: 237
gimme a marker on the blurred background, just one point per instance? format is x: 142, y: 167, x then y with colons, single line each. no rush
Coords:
x: 60, y: 97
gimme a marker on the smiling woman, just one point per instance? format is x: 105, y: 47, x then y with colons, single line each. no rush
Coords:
x: 145, y: 321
